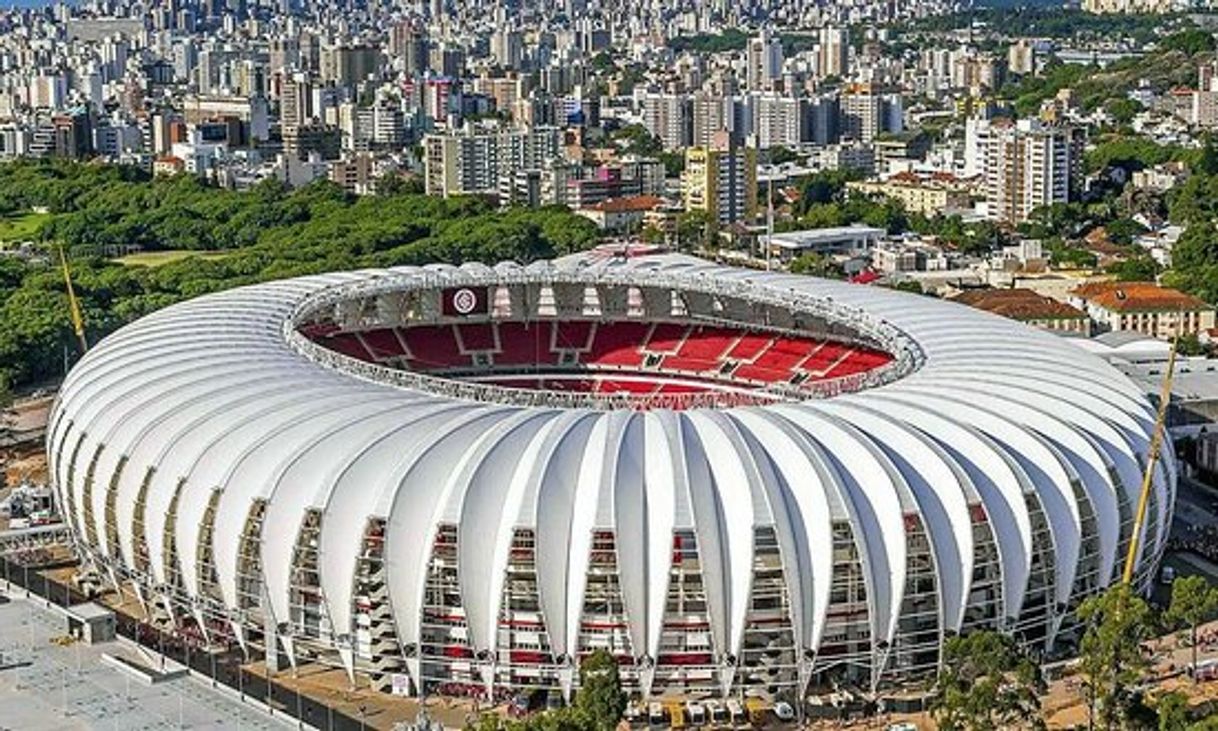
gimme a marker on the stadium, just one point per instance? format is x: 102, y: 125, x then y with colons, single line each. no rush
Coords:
x: 736, y: 482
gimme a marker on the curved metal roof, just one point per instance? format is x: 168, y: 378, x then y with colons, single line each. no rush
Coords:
x: 207, y: 404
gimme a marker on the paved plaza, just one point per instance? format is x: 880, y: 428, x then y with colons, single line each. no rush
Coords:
x: 44, y: 685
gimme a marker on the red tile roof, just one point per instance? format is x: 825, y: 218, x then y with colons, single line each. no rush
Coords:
x: 1138, y: 297
x: 1019, y: 304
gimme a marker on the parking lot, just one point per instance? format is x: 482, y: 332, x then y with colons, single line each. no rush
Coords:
x: 45, y: 685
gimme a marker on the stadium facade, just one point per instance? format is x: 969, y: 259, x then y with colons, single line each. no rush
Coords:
x: 734, y: 481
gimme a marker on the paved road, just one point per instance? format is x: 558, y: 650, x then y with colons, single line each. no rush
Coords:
x: 1195, y: 505
x: 57, y: 687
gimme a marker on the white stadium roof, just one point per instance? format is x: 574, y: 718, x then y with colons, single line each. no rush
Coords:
x: 208, y: 400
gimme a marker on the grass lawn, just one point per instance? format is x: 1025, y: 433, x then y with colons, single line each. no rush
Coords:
x: 160, y: 258
x: 23, y: 227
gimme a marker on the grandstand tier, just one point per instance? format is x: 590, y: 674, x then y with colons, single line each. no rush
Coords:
x: 662, y: 357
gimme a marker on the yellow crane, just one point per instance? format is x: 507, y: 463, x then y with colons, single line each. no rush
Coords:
x: 78, y: 320
x: 1152, y: 458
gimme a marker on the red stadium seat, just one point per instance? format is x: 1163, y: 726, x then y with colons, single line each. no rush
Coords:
x: 707, y: 343
x: 573, y: 335
x: 349, y: 345
x: 617, y: 344
x: 383, y: 344
x: 525, y: 344
x: 749, y: 346
x: 476, y: 337
x: 434, y: 347
x: 666, y: 337
x: 620, y: 357
x: 608, y: 385
x: 690, y: 365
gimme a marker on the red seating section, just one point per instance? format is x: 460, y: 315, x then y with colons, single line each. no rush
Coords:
x: 645, y: 352
x: 666, y: 337
x: 434, y: 347
x: 617, y: 345
x: 570, y: 335
x: 525, y: 342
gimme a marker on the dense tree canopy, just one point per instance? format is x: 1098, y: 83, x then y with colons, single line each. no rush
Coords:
x: 986, y: 684
x: 599, y: 703
x: 267, y: 233
x: 1111, y: 657
x: 1193, y: 601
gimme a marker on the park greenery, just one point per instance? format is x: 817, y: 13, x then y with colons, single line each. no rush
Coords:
x: 731, y: 39
x: 1112, y: 658
x: 1171, y: 63
x: 636, y: 140
x: 1054, y: 21
x: 266, y: 233
x: 988, y: 682
x: 1112, y: 213
x: 598, y: 705
x: 824, y: 201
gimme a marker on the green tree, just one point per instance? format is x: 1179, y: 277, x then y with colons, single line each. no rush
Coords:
x: 826, y: 186
x: 652, y: 234
x: 1192, y: 41
x: 696, y: 229
x: 1193, y: 601
x: 1190, y: 345
x: 1207, y: 162
x: 1123, y: 110
x: 265, y: 233
x: 810, y: 263
x: 1111, y: 658
x: 6, y: 417
x: 600, y: 698
x: 1141, y: 268
x: 1121, y: 231
x: 1195, y: 261
x: 1172, y: 709
x: 635, y: 138
x: 780, y: 155
x: 912, y: 286
x: 987, y: 683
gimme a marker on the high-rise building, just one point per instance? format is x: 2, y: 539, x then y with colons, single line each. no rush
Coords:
x: 73, y: 134
x: 472, y: 162
x: 356, y: 174
x: 710, y: 114
x: 764, y: 61
x: 823, y: 120
x: 408, y: 41
x: 777, y: 120
x: 507, y: 46
x: 349, y: 64
x: 1027, y: 165
x: 721, y: 179
x: 861, y: 112
x: 833, y: 51
x: 668, y: 117
x: 313, y: 137
x: 284, y: 54
x: 1204, y: 112
x: 295, y: 101
x: 1021, y: 57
